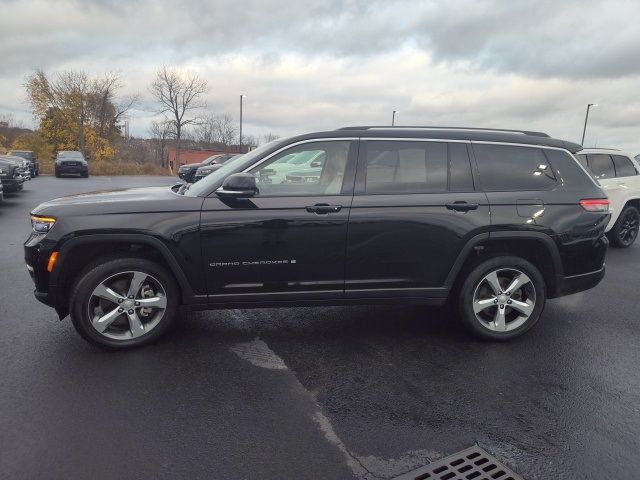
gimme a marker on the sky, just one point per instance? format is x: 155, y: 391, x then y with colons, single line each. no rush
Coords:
x: 318, y: 65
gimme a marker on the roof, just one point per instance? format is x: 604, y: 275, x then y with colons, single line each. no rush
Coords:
x: 612, y: 151
x: 524, y: 137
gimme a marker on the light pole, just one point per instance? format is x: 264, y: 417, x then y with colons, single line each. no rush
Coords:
x: 241, y: 97
x: 393, y: 117
x: 586, y: 118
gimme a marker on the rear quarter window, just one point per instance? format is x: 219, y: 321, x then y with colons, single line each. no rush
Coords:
x: 624, y: 167
x: 504, y: 168
x: 601, y: 166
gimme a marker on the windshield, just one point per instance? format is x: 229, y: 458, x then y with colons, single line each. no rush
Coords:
x: 233, y: 165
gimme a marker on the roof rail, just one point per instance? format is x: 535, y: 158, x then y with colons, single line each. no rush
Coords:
x: 492, y: 130
x: 601, y: 148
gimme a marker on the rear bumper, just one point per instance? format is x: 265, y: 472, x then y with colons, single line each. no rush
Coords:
x: 578, y: 283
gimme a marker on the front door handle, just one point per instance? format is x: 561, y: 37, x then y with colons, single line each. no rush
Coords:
x: 462, y: 206
x: 323, y: 208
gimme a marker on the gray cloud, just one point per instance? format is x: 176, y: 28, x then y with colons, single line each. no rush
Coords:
x: 313, y: 65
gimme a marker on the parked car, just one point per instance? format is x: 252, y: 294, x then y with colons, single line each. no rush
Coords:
x: 188, y: 172
x: 619, y: 175
x: 71, y: 162
x: 10, y: 174
x: 34, y: 166
x: 217, y: 162
x: 21, y: 164
x: 495, y: 221
x: 296, y: 164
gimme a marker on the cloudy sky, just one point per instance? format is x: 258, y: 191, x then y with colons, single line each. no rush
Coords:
x: 310, y: 65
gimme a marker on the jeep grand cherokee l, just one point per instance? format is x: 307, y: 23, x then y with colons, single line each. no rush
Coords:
x: 496, y: 222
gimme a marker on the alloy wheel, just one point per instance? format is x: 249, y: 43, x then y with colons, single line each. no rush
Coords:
x: 504, y: 300
x: 127, y: 305
x: 628, y: 230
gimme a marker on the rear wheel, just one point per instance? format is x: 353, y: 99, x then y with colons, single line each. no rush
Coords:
x: 625, y: 230
x: 123, y: 303
x: 502, y: 298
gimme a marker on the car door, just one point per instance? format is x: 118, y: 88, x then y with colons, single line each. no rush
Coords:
x: 414, y: 209
x: 288, y: 241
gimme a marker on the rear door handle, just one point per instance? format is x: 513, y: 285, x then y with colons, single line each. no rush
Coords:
x: 462, y: 206
x: 323, y: 208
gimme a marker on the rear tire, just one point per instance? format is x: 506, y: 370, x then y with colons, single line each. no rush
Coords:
x: 102, y: 308
x: 493, y: 305
x: 625, y: 230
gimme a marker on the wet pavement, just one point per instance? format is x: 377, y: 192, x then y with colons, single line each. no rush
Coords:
x: 336, y: 393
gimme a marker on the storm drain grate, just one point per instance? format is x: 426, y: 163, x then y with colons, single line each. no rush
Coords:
x: 471, y: 464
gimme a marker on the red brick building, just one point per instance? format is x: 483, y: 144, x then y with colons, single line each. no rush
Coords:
x: 188, y: 156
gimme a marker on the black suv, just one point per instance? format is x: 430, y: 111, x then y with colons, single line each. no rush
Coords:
x: 494, y: 221
x: 188, y: 172
x: 34, y: 166
x: 71, y: 162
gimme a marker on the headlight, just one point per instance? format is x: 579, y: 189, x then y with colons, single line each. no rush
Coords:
x: 42, y: 224
x: 3, y: 172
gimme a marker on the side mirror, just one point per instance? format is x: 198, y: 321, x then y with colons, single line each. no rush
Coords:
x: 238, y: 185
x: 317, y: 163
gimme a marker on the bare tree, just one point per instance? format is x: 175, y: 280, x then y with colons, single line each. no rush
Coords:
x: 179, y: 96
x: 160, y: 134
x: 218, y: 128
x: 270, y: 137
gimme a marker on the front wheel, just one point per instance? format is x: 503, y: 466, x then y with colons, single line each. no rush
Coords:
x: 502, y: 298
x: 124, y: 302
x: 625, y: 230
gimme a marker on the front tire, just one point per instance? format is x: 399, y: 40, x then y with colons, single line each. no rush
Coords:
x: 502, y: 298
x: 625, y: 230
x: 124, y: 302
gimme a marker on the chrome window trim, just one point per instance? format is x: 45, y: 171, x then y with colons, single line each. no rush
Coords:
x: 413, y: 139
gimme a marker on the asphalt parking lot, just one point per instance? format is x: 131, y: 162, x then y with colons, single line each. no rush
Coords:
x: 308, y: 393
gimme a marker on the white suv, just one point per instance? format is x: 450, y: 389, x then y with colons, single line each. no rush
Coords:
x: 619, y: 175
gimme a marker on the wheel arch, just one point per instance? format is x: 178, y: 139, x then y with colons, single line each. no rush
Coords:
x: 535, y: 247
x: 74, y: 252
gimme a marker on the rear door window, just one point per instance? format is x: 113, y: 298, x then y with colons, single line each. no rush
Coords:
x: 397, y: 167
x: 505, y: 168
x: 624, y: 167
x: 602, y: 166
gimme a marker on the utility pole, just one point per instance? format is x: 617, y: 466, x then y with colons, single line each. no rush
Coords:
x: 586, y: 119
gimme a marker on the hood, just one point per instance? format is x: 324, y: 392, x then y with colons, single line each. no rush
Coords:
x: 131, y: 200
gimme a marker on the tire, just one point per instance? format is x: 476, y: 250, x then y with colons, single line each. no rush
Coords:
x: 625, y: 230
x: 120, y: 329
x: 57, y: 174
x: 85, y: 175
x: 488, y: 323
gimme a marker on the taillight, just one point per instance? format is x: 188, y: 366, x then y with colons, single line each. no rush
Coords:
x: 598, y: 205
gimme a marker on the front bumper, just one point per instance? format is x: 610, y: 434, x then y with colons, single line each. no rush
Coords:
x: 12, y: 184
x: 64, y: 169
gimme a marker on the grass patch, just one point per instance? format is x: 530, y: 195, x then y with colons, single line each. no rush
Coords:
x: 112, y: 168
